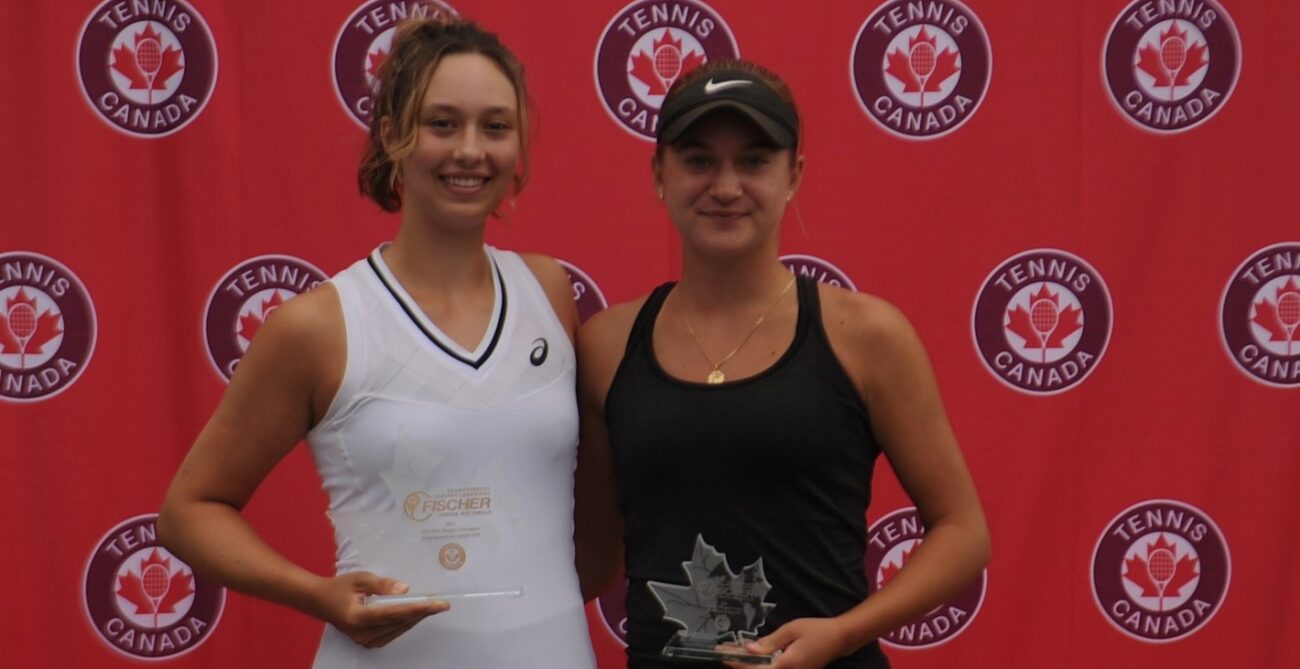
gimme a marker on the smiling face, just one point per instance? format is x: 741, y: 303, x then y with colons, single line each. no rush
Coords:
x: 467, y: 143
x: 726, y: 186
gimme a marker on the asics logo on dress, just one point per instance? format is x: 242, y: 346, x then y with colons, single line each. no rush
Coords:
x: 540, y: 349
x: 711, y: 87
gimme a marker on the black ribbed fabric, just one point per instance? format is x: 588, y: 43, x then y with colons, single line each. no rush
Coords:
x: 777, y: 466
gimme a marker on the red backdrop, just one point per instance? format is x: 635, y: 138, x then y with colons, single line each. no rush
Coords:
x: 1084, y: 207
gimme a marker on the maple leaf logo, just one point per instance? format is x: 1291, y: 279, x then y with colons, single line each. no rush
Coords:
x: 922, y: 68
x: 1162, y: 573
x: 251, y: 322
x: 374, y: 60
x: 155, y: 590
x: 717, y: 606
x: 1281, y: 315
x: 148, y: 66
x: 1044, y: 325
x: 1173, y: 61
x: 665, y: 64
x: 890, y: 569
x: 23, y: 330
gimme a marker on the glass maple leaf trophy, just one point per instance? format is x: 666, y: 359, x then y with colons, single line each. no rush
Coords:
x: 718, y: 610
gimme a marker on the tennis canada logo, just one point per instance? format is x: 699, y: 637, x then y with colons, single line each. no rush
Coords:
x: 647, y: 46
x: 1170, y: 66
x: 891, y: 541
x: 363, y: 44
x: 821, y: 270
x: 243, y: 299
x: 1160, y: 571
x: 147, y: 68
x: 1042, y: 320
x: 586, y: 293
x: 142, y: 601
x: 47, y: 327
x: 1259, y: 316
x: 921, y: 69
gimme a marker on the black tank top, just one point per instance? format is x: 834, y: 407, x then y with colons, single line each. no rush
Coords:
x: 774, y: 467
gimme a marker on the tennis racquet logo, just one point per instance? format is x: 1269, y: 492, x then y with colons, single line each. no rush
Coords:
x: 24, y: 330
x: 147, y: 69
x: 1160, y: 570
x: 1169, y: 67
x: 920, y: 70
x: 47, y: 327
x: 143, y: 602
x: 1042, y: 321
x: 646, y: 47
x: 1259, y: 316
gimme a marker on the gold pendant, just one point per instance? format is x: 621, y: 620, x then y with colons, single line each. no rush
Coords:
x: 716, y: 377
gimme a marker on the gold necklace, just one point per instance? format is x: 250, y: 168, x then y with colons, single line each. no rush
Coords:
x: 716, y: 376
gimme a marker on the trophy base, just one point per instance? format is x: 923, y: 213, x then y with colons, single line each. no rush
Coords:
x: 719, y: 653
x: 417, y: 597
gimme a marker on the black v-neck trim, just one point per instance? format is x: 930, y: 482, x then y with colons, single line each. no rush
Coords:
x: 410, y: 310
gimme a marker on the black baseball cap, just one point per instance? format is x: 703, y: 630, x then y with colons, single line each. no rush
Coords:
x: 728, y: 89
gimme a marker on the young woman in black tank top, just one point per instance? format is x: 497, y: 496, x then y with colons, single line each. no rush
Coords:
x: 739, y: 412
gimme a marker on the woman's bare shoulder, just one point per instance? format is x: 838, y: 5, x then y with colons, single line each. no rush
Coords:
x: 862, y: 318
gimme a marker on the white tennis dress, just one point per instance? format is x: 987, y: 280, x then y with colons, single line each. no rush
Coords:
x: 452, y: 470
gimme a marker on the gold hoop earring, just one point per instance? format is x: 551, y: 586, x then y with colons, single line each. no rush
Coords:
x: 660, y: 192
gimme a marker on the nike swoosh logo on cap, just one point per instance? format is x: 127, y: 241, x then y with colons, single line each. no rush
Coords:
x: 710, y: 87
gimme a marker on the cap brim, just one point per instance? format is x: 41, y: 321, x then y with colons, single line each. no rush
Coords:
x: 779, y: 135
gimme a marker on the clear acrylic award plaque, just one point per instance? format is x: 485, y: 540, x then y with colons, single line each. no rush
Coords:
x: 718, y: 610
x: 411, y: 598
x: 433, y: 542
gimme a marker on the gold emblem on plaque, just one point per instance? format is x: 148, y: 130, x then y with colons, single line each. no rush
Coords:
x: 451, y: 556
